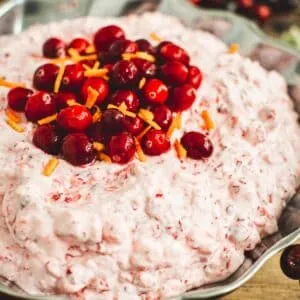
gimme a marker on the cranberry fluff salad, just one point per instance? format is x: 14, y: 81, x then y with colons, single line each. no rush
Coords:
x: 139, y: 158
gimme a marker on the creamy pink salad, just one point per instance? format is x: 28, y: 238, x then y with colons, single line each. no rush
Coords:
x: 154, y: 229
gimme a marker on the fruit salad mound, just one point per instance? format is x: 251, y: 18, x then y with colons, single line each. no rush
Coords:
x: 140, y: 158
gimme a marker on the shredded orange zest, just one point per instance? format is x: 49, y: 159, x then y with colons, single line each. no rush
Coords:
x: 181, y: 152
x: 92, y: 97
x: 86, y: 67
x: 96, y: 73
x: 87, y: 57
x: 142, y: 83
x: 98, y: 146
x: 60, y: 60
x: 176, y: 124
x: 73, y: 53
x: 59, y: 78
x: 209, y: 124
x: 96, y: 65
x: 139, y: 151
x: 97, y: 115
x: 10, y: 84
x: 15, y: 126
x: 104, y: 157
x: 12, y: 115
x: 47, y: 119
x: 142, y: 55
x: 105, y: 77
x: 72, y: 103
x: 233, y: 48
x: 50, y: 166
x: 90, y: 49
x: 155, y: 37
x: 140, y: 136
x: 147, y: 116
x: 123, y: 109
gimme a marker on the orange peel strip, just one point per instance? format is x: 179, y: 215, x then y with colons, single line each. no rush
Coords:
x: 104, y: 157
x: 139, y: 151
x: 98, y: 146
x: 208, y: 122
x: 176, y: 124
x: 59, y: 78
x: 92, y: 97
x: 12, y: 115
x: 181, y: 151
x: 47, y: 119
x: 50, y: 166
x: 15, y: 126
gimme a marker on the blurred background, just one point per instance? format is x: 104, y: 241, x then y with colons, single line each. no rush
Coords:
x: 279, y: 18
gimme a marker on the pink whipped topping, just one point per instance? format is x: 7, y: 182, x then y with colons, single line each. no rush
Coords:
x: 148, y: 230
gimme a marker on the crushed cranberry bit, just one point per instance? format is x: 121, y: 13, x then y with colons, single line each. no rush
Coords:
x: 77, y: 149
x: 39, y: 105
x: 79, y: 44
x: 182, y: 97
x: 129, y: 97
x: 155, y: 142
x: 46, y: 138
x: 74, y: 118
x: 155, y: 91
x: 53, y: 48
x: 105, y: 36
x: 98, y: 84
x: 121, y: 148
x: 197, y: 145
x: 17, y: 98
x: 44, y: 77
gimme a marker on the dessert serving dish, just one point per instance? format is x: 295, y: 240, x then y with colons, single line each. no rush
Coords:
x: 203, y: 144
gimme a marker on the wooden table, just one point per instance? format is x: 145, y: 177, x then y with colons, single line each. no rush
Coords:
x: 268, y: 284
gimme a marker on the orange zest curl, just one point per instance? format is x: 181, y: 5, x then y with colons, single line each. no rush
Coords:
x: 12, y: 115
x: 208, y: 122
x: 50, y: 166
x: 47, y: 120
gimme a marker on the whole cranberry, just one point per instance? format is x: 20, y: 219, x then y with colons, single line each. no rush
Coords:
x: 182, y: 97
x: 133, y: 125
x: 61, y: 99
x: 169, y: 51
x: 79, y: 44
x: 146, y: 68
x: 197, y: 145
x: 73, y: 77
x: 77, y: 149
x: 174, y: 72
x: 145, y: 46
x: 17, y: 98
x: 195, y: 77
x: 121, y: 148
x: 44, y: 77
x: 290, y: 262
x: 53, y: 48
x: 262, y: 12
x: 155, y: 91
x: 124, y: 73
x: 112, y: 121
x: 105, y: 36
x: 74, y: 118
x: 39, y: 105
x: 129, y: 97
x: 155, y: 142
x: 46, y: 138
x: 117, y: 48
x: 98, y: 84
x: 96, y: 133
x: 162, y: 116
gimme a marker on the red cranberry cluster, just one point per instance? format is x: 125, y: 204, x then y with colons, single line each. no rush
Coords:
x: 160, y: 81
